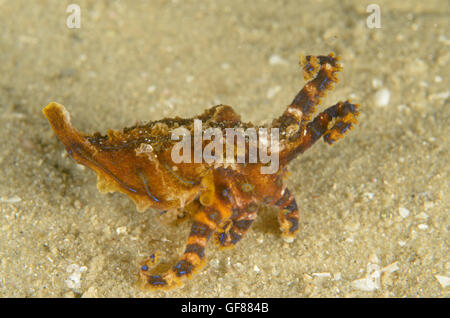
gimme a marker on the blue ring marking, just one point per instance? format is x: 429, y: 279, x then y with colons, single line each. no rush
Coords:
x: 346, y: 128
x: 146, y: 188
x: 79, y: 151
x: 177, y: 176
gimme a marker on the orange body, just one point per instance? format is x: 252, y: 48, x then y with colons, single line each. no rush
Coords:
x: 222, y: 197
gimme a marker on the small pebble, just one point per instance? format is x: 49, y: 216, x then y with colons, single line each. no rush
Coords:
x: 151, y: 89
x: 422, y: 226
x: 377, y: 83
x: 382, y: 97
x: 273, y: 91
x: 276, y: 60
x: 369, y: 195
x: 189, y: 78
x: 403, y: 212
x: 121, y: 230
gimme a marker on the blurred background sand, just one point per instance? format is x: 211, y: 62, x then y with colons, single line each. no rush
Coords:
x: 374, y: 207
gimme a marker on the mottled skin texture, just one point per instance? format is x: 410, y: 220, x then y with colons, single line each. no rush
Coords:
x: 222, y: 200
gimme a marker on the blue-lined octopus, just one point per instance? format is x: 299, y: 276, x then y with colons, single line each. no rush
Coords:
x: 221, y: 198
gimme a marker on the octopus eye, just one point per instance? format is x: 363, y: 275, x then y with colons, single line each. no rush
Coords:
x: 247, y: 187
x: 225, y: 193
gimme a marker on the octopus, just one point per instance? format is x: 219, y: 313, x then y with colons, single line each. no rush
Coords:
x: 219, y: 196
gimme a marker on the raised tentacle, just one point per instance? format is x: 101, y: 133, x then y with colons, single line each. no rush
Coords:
x: 332, y: 124
x: 301, y: 109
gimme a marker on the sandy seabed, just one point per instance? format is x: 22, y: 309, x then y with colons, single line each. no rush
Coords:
x: 374, y: 207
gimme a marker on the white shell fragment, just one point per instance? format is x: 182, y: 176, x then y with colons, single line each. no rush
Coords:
x: 14, y: 199
x: 443, y: 280
x: 403, y: 212
x: 382, y: 97
x: 74, y: 280
x: 322, y: 275
x: 276, y: 60
x: 372, y: 280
